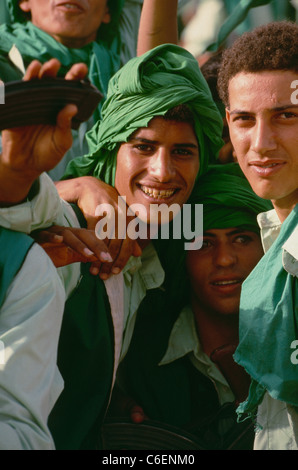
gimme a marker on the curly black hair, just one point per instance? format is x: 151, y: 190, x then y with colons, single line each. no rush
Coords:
x: 269, y: 47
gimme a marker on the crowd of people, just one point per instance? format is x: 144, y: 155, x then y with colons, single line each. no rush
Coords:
x: 192, y: 332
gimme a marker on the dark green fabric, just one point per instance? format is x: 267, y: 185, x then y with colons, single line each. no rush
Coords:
x: 175, y: 394
x: 146, y: 87
x: 14, y: 248
x: 228, y: 200
x: 85, y: 360
x: 268, y: 326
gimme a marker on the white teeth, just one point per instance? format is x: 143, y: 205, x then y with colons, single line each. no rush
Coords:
x: 269, y: 166
x: 156, y: 194
x: 224, y: 283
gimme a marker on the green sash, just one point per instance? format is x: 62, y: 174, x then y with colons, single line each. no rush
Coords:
x: 269, y: 325
x: 14, y: 248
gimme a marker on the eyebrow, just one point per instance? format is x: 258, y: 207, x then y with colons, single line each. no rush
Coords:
x: 235, y: 231
x: 277, y: 109
x: 156, y: 142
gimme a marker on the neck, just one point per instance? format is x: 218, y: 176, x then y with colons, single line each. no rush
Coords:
x: 73, y: 43
x: 215, y: 330
x: 285, y: 206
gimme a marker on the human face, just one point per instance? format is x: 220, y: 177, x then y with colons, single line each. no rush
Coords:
x: 218, y: 269
x: 263, y: 124
x: 73, y: 23
x: 158, y: 165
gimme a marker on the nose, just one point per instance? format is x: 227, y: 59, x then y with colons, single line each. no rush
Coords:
x: 161, y: 165
x: 263, y: 137
x: 224, y: 255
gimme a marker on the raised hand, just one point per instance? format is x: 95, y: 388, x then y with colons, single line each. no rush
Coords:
x: 30, y: 150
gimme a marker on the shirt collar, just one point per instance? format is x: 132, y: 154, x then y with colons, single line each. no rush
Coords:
x: 148, y: 267
x: 183, y: 338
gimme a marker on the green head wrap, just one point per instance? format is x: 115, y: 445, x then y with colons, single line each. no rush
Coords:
x: 228, y: 200
x: 146, y: 87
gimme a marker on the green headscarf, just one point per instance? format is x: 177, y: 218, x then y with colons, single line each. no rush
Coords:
x: 145, y: 87
x: 228, y: 200
x: 101, y: 56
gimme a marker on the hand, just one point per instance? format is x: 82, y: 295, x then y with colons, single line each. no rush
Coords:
x: 66, y: 245
x: 124, y: 405
x: 30, y: 150
x: 88, y: 193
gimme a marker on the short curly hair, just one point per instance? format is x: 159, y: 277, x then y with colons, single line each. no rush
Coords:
x: 269, y: 47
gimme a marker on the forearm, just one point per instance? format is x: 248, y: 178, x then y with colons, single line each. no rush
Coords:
x: 14, y: 185
x: 158, y: 24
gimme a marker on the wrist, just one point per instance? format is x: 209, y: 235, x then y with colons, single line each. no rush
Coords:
x: 15, y: 185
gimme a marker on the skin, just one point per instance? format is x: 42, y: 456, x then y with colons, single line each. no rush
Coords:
x: 226, y: 256
x: 216, y: 273
x: 74, y: 25
x: 158, y: 165
x: 263, y: 124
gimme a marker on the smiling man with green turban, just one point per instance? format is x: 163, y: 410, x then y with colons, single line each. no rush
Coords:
x: 151, y: 147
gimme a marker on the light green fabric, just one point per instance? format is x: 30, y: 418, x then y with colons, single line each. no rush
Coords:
x: 145, y: 87
x: 268, y: 326
x: 228, y: 200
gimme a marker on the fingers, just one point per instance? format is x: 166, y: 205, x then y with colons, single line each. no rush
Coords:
x: 38, y: 70
x: 77, y: 72
x: 51, y: 68
x: 137, y: 414
x: 86, y: 244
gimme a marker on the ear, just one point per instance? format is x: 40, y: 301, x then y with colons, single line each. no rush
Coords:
x: 25, y: 5
x: 106, y: 17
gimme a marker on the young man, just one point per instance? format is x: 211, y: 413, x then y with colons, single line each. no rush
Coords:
x: 161, y: 152
x: 257, y: 82
x: 89, y: 31
x: 180, y: 370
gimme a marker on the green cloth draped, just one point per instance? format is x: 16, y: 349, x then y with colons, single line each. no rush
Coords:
x: 268, y: 326
x: 228, y: 200
x: 101, y: 56
x: 145, y: 87
x: 12, y: 257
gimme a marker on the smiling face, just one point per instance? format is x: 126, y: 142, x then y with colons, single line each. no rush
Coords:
x: 73, y: 23
x: 263, y: 124
x: 158, y: 165
x: 218, y: 269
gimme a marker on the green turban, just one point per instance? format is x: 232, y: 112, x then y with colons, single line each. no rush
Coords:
x: 146, y: 87
x: 228, y: 200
